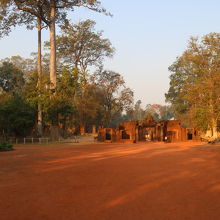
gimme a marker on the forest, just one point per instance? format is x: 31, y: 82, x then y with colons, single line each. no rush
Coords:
x: 65, y: 84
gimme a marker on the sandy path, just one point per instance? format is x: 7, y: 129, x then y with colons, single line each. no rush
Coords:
x: 118, y: 182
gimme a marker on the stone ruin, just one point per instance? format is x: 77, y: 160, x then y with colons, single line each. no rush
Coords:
x: 147, y: 130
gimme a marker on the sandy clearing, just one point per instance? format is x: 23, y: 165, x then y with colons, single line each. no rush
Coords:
x: 111, y: 181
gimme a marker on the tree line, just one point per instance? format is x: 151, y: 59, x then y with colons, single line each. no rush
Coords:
x: 98, y: 98
x: 42, y: 14
x: 67, y: 86
x: 81, y: 97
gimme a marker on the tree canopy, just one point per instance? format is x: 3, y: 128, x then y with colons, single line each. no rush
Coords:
x: 195, y: 83
x: 11, y: 78
x: 81, y: 46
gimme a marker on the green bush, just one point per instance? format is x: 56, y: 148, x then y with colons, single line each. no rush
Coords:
x: 6, y: 146
x: 17, y: 117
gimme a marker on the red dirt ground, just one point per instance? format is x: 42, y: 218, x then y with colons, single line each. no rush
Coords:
x: 111, y: 181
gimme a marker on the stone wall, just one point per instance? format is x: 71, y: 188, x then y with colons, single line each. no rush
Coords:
x: 148, y: 130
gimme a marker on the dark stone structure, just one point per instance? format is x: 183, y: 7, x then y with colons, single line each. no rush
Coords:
x: 147, y: 130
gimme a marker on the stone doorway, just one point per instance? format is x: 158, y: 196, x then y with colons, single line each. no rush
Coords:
x: 189, y: 134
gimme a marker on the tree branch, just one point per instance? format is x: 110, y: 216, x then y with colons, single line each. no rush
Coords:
x: 34, y: 13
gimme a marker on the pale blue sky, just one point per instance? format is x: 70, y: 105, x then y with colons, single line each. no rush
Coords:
x: 147, y: 35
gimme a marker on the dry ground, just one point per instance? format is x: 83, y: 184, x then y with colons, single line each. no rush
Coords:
x: 111, y: 181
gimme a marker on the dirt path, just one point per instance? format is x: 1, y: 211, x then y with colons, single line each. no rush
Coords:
x: 117, y: 182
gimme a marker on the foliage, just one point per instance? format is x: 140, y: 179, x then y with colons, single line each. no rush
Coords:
x: 11, y: 78
x: 6, y: 146
x: 87, y: 104
x: 137, y: 113
x: 115, y: 97
x: 159, y: 112
x: 54, y: 100
x: 70, y: 95
x: 76, y: 100
x: 62, y: 102
x: 17, y: 12
x: 11, y: 17
x: 195, y: 83
x: 80, y: 46
x: 27, y: 66
x: 16, y: 116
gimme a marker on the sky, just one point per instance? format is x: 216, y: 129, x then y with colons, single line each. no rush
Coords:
x: 147, y: 36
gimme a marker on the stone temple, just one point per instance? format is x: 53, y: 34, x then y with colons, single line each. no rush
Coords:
x: 148, y: 130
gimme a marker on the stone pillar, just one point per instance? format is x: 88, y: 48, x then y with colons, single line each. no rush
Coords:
x: 111, y: 135
x: 137, y: 134
x: 93, y: 129
x: 161, y: 133
x: 82, y: 130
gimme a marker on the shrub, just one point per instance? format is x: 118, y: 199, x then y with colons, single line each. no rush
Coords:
x: 6, y: 146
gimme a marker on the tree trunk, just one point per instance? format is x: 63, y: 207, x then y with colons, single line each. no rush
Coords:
x: 213, y: 119
x: 39, y: 70
x: 214, y: 128
x: 52, y: 44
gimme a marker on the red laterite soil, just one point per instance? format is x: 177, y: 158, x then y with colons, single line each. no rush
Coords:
x: 149, y: 181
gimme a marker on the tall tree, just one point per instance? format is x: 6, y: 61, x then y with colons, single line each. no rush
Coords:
x: 195, y: 83
x: 115, y: 97
x: 48, y: 11
x: 39, y: 71
x: 60, y: 7
x: 10, y: 17
x: 81, y: 46
x: 52, y: 12
x: 138, y: 112
x: 159, y: 112
x: 29, y: 13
